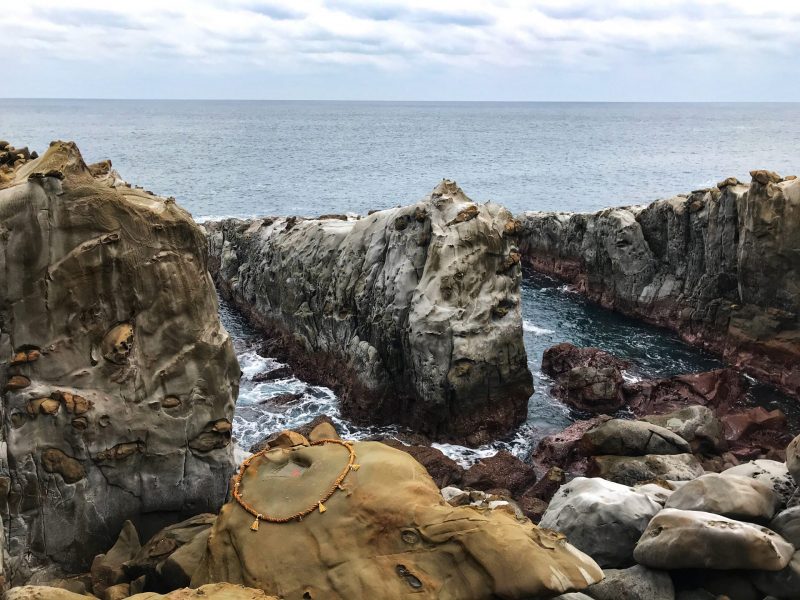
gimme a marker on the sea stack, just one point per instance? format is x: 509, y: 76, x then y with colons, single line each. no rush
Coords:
x: 118, y: 379
x: 411, y: 314
x: 719, y: 266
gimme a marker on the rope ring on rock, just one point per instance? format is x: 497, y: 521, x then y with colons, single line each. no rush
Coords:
x: 318, y: 505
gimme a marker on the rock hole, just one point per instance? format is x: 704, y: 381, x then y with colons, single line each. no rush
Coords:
x: 408, y: 576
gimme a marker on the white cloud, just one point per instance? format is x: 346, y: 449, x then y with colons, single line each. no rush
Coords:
x: 289, y: 33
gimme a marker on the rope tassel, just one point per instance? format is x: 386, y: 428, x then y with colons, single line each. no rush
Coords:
x: 322, y: 508
x: 355, y: 467
x: 254, y: 526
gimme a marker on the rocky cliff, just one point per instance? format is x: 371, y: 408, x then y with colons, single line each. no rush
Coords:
x: 412, y: 314
x: 721, y: 266
x: 118, y: 380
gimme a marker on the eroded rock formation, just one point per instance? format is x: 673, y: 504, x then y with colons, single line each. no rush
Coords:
x: 412, y: 314
x: 719, y: 266
x: 386, y: 533
x: 118, y: 379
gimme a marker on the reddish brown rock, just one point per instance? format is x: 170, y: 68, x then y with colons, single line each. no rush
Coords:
x: 564, y: 450
x: 503, y: 471
x: 442, y: 469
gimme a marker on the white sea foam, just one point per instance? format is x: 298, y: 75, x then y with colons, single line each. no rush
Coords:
x: 535, y: 329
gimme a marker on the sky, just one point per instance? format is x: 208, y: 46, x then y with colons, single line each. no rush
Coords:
x: 504, y: 50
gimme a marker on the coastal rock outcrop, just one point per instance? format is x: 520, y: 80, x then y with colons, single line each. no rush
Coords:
x: 386, y: 532
x: 718, y: 265
x: 118, y: 379
x: 411, y: 314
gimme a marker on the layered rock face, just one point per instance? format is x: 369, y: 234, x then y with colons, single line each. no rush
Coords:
x: 118, y: 379
x: 412, y: 314
x: 720, y: 266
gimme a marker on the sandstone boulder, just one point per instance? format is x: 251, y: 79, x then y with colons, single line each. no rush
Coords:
x: 601, y: 518
x: 387, y: 534
x: 106, y: 310
x: 728, y: 495
x: 687, y: 539
x: 696, y: 424
x: 632, y: 470
x: 773, y: 473
x: 411, y: 314
x: 622, y: 437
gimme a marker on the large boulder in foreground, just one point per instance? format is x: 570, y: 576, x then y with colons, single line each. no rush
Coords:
x: 118, y: 379
x: 387, y: 534
x: 602, y: 518
x: 411, y: 314
x: 718, y: 265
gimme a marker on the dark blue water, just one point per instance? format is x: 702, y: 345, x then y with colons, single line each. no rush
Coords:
x: 246, y: 158
x: 255, y: 158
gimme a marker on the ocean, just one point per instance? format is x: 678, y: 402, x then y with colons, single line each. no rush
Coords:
x: 230, y: 158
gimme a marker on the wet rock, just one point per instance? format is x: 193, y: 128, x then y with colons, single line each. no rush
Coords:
x: 773, y: 473
x: 634, y: 583
x: 728, y: 495
x: 503, y: 471
x: 632, y: 438
x: 564, y: 449
x: 704, y: 583
x: 601, y: 518
x: 631, y: 470
x: 587, y: 379
x: 696, y: 424
x: 686, y: 539
x: 756, y: 432
x: 711, y: 265
x: 106, y: 291
x: 172, y: 555
x: 361, y: 307
x: 546, y: 487
x: 408, y: 539
x: 282, y: 372
x: 719, y: 389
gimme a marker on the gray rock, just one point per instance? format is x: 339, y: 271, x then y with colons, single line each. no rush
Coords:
x: 793, y: 458
x: 120, y: 380
x: 412, y: 314
x: 728, y: 495
x: 687, y: 539
x: 622, y: 437
x: 601, y: 518
x: 631, y: 470
x: 696, y: 424
x: 771, y: 472
x: 635, y: 583
x: 658, y: 491
x: 711, y: 265
x: 573, y: 596
x: 783, y: 584
x: 787, y: 524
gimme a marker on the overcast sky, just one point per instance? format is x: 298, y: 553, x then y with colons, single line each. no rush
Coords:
x: 615, y: 50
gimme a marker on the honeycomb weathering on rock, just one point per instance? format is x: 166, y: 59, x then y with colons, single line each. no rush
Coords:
x: 412, y: 314
x: 106, y: 311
